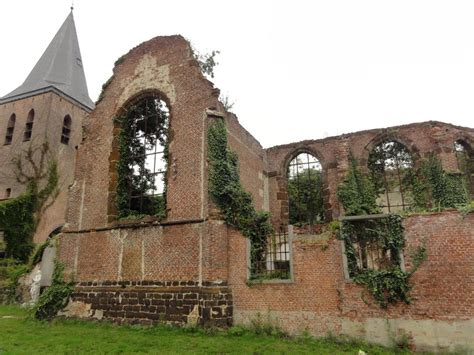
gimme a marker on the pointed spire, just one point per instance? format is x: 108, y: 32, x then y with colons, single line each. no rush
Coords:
x: 59, y: 68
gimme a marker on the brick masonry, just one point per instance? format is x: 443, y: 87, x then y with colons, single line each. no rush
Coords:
x: 50, y: 110
x: 320, y: 300
x: 122, y: 267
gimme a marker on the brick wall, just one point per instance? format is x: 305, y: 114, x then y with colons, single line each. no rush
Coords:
x: 319, y: 299
x: 421, y: 139
x: 50, y: 110
x: 163, y: 66
x: 126, y: 268
x: 252, y: 161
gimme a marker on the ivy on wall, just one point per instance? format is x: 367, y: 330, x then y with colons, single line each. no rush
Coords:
x: 55, y: 297
x: 386, y: 281
x: 19, y: 216
x: 357, y: 194
x: 229, y: 195
x: 440, y: 189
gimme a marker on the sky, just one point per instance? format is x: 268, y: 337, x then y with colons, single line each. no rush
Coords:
x: 295, y: 70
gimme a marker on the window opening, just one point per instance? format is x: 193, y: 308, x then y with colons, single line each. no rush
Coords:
x: 272, y: 259
x: 369, y: 248
x: 465, y: 160
x: 306, y: 207
x: 29, y: 126
x: 8, y: 193
x: 391, y: 169
x: 10, y: 129
x: 66, y: 132
x: 143, y: 158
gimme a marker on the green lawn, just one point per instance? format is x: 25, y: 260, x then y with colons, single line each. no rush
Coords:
x: 21, y: 334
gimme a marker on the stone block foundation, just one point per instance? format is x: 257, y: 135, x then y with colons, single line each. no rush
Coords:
x: 152, y: 302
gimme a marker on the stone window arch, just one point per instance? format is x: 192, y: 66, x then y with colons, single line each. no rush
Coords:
x: 142, y: 150
x: 390, y: 165
x: 465, y: 160
x: 305, y: 191
x: 66, y: 131
x: 29, y: 126
x: 10, y: 129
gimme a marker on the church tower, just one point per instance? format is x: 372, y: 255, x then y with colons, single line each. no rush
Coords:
x: 49, y: 106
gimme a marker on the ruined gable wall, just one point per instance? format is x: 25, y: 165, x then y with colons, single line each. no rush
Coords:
x: 154, y: 271
x: 164, y: 65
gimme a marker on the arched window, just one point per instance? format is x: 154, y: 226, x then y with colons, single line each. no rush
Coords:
x: 10, y: 129
x: 66, y: 132
x: 142, y: 164
x: 391, y: 167
x: 305, y: 191
x: 8, y: 193
x: 29, y: 126
x: 465, y: 158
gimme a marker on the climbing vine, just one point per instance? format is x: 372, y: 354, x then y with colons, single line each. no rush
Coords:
x: 144, y: 126
x: 435, y: 188
x: 229, y: 195
x: 19, y: 216
x: 357, y: 194
x: 387, y: 282
x: 55, y: 297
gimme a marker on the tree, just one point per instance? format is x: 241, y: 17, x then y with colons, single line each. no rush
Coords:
x: 305, y: 197
x: 19, y: 217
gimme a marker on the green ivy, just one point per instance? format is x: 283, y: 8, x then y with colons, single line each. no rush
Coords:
x: 388, y: 284
x: 305, y: 197
x: 19, y: 216
x: 18, y: 223
x: 37, y: 255
x: 465, y: 210
x: 435, y: 188
x: 131, y: 152
x: 227, y: 192
x: 10, y: 272
x: 55, y: 297
x: 357, y: 193
x: 430, y: 186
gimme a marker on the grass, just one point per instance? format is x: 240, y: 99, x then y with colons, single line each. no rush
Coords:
x: 19, y: 333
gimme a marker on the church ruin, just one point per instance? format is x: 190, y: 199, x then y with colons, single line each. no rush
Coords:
x: 145, y: 241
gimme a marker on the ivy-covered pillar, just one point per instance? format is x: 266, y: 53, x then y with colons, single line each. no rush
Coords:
x: 342, y: 154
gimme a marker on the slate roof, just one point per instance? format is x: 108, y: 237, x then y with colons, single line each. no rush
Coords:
x: 59, y: 69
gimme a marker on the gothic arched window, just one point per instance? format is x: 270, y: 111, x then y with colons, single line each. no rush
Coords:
x: 10, y: 129
x: 66, y: 131
x: 29, y: 126
x: 305, y: 197
x: 142, y: 165
x: 390, y: 164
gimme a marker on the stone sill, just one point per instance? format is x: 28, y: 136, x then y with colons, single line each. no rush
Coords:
x: 271, y: 282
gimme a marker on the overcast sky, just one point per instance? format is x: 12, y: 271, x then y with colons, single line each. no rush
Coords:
x: 300, y: 69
